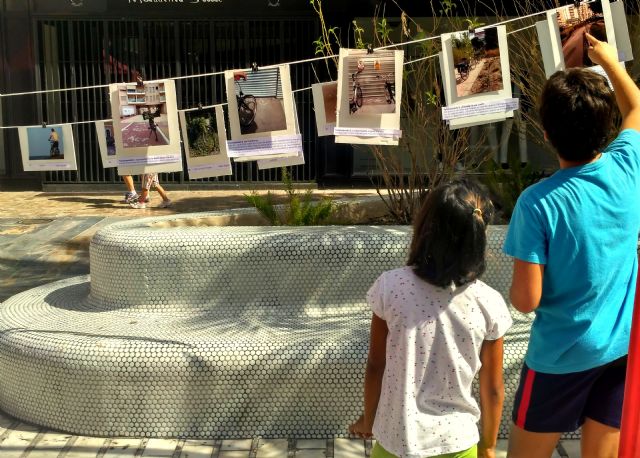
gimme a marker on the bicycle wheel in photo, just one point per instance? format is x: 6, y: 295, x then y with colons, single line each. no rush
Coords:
x: 391, y: 98
x: 358, y: 96
x: 247, y: 110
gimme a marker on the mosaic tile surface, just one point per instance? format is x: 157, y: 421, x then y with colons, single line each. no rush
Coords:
x: 206, y: 332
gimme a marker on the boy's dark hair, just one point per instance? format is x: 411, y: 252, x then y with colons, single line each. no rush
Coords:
x: 449, y: 234
x: 577, y: 110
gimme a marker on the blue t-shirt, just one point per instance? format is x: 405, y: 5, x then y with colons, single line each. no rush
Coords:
x: 582, y: 223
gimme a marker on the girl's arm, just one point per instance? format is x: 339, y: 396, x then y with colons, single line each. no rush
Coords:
x: 491, y: 396
x: 373, y: 377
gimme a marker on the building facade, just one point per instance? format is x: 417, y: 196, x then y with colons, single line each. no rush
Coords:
x: 50, y: 44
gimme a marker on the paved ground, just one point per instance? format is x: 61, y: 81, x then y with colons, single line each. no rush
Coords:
x: 43, y: 238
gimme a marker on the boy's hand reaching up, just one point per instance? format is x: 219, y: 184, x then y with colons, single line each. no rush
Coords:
x: 601, y: 52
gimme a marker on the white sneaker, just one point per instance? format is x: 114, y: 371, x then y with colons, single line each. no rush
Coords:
x: 138, y: 204
x: 166, y: 203
x: 130, y: 197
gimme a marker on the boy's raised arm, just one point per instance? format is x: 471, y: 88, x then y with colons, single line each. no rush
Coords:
x: 626, y: 92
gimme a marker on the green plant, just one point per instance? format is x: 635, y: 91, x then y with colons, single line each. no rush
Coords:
x: 507, y: 185
x: 429, y: 153
x: 299, y: 209
x: 203, y: 141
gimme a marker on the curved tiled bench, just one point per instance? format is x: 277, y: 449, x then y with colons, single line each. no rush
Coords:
x: 226, y: 332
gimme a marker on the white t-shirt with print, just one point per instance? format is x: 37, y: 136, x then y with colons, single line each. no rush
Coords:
x: 433, y: 354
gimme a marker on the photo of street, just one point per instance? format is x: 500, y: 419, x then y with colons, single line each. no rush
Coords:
x: 143, y: 115
x: 372, y: 83
x: 574, y: 23
x: 476, y: 61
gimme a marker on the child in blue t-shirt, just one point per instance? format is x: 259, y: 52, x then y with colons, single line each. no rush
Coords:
x: 574, y: 239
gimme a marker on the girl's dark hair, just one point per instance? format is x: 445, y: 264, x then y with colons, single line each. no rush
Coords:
x: 449, y: 234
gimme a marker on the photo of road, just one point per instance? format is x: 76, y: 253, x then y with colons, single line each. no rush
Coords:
x: 136, y: 132
x: 574, y: 23
x: 476, y: 61
x: 143, y: 115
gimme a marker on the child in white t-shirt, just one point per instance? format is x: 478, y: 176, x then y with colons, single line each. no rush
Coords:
x: 434, y: 327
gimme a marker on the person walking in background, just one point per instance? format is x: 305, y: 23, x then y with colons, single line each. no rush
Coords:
x: 574, y: 239
x: 435, y: 325
x: 150, y: 180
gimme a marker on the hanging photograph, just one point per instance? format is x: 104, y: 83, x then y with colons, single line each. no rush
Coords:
x: 260, y: 102
x: 145, y: 125
x: 621, y: 27
x: 205, y: 142
x: 325, y: 104
x: 476, y: 78
x: 369, y: 94
x: 271, y: 162
x: 573, y: 23
x: 562, y: 36
x: 107, y: 143
x: 476, y: 62
x: 372, y: 83
x: 47, y: 148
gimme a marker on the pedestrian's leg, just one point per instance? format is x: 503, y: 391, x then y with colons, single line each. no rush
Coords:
x: 162, y: 192
x: 143, y: 196
x: 166, y: 202
x: 131, y: 194
x: 128, y: 182
x: 144, y: 192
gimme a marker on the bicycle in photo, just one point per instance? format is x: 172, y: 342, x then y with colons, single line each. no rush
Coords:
x: 463, y: 69
x: 54, y: 150
x: 389, y: 88
x: 356, y: 100
x: 247, y: 104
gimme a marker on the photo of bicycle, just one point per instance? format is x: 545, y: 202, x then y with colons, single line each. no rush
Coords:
x: 45, y: 143
x: 372, y: 83
x: 476, y: 62
x: 260, y: 102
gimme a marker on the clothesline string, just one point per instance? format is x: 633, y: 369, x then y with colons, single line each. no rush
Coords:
x: 409, y: 62
x: 302, y: 61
